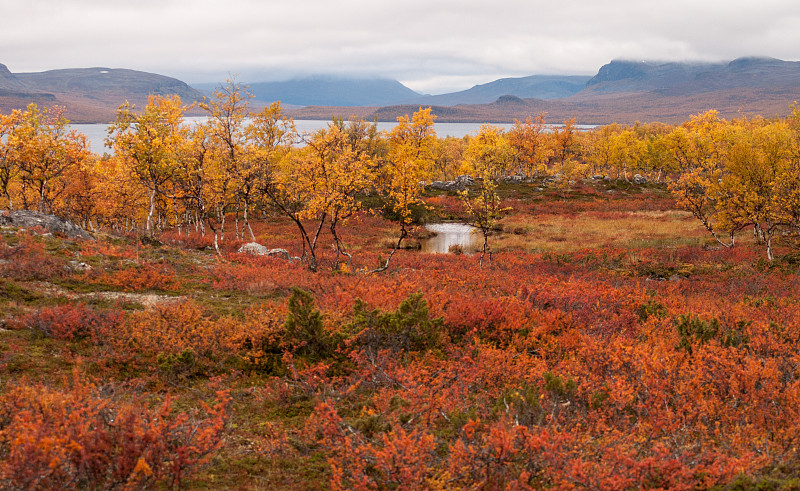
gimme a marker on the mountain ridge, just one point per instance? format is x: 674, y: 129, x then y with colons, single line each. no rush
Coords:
x: 626, y: 91
x: 621, y: 91
x: 531, y: 87
x: 89, y: 94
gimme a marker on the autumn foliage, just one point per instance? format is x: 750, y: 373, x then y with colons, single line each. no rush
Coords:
x: 629, y: 331
x: 80, y: 438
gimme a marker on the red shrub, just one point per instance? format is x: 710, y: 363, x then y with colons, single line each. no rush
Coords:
x: 72, y: 321
x: 28, y: 260
x: 78, y: 439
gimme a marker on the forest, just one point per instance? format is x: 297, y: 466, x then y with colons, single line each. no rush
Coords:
x: 629, y: 322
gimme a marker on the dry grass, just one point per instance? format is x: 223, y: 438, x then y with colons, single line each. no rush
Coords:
x: 631, y: 230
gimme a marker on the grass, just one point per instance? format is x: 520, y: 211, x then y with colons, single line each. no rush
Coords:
x: 593, y: 229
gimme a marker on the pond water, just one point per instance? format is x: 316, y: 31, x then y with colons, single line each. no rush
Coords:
x: 450, y: 234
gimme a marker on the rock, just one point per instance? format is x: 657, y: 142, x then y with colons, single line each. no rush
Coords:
x: 282, y: 253
x: 51, y: 223
x: 515, y: 178
x: 459, y: 184
x: 254, y: 248
x: 80, y: 266
x: 448, y: 185
x: 466, y: 180
x: 639, y: 179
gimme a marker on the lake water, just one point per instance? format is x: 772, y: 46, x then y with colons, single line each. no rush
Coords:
x: 97, y: 133
x: 451, y: 234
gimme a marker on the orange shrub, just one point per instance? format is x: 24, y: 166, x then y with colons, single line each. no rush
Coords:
x: 174, y: 328
x: 79, y: 439
x: 137, y: 278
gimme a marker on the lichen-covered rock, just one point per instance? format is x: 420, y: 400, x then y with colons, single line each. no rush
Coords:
x: 254, y: 248
x: 281, y: 253
x: 466, y: 180
x: 51, y: 223
x: 448, y: 185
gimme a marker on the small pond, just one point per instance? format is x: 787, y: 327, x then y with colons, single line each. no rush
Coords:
x: 450, y: 234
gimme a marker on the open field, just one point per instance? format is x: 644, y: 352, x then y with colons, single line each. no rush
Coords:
x: 608, y: 344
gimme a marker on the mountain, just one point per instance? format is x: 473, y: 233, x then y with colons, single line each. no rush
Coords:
x: 621, y: 91
x: 89, y: 94
x: 8, y: 81
x: 628, y: 91
x: 333, y: 91
x: 693, y: 78
x: 532, y: 87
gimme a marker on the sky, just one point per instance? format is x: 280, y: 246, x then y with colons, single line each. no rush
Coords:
x: 432, y: 46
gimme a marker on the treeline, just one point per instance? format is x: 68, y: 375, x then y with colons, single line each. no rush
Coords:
x: 166, y: 173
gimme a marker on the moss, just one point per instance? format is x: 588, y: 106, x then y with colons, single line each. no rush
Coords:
x: 10, y: 291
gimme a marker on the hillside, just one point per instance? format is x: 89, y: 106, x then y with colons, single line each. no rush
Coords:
x: 90, y: 94
x: 621, y: 91
x: 625, y: 92
x: 533, y: 87
x: 322, y: 90
x: 693, y: 78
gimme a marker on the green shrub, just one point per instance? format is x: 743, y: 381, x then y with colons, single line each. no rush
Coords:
x: 558, y: 386
x: 304, y: 330
x: 651, y: 308
x: 409, y: 328
x: 694, y: 330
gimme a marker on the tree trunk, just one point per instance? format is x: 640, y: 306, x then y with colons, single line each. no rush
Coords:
x: 385, y: 266
x: 247, y: 222
x: 150, y: 213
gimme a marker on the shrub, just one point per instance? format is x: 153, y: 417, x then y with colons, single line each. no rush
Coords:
x: 72, y: 322
x: 304, y: 331
x: 28, y: 260
x: 409, y: 328
x: 695, y: 330
x: 172, y: 328
x: 651, y: 308
x: 78, y: 439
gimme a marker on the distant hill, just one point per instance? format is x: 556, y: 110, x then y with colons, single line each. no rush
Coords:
x: 89, y: 94
x: 693, y: 78
x: 333, y: 91
x: 629, y: 91
x: 535, y: 87
x: 621, y: 91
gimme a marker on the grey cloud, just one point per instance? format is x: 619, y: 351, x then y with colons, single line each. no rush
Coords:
x: 441, y: 45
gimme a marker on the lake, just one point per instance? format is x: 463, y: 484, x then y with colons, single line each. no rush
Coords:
x: 96, y: 133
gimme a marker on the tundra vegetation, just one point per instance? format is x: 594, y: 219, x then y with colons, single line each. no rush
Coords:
x: 636, y: 327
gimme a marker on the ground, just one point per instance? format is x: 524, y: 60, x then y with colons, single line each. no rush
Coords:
x: 608, y: 344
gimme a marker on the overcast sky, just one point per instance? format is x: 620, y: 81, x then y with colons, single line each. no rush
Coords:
x: 432, y: 46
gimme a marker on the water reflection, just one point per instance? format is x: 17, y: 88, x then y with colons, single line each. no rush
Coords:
x: 451, y: 234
